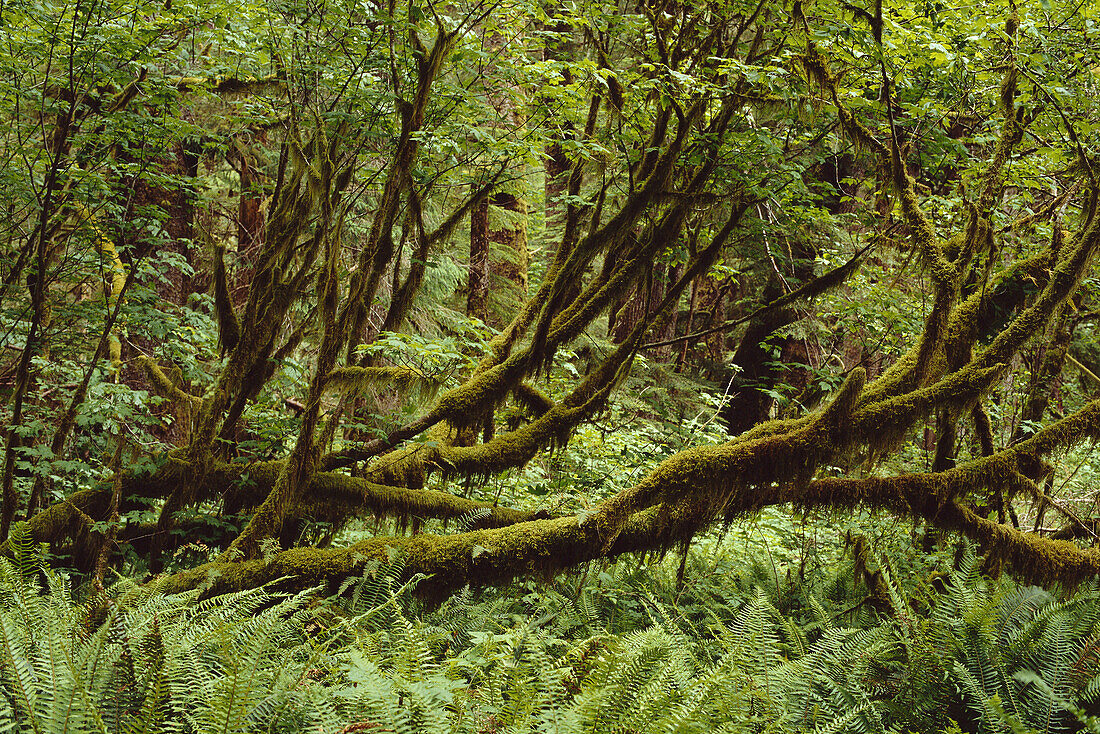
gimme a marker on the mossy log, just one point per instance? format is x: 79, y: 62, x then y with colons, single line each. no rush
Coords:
x: 449, y: 561
x: 546, y: 546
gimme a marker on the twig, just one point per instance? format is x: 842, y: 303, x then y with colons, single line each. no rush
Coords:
x: 813, y: 288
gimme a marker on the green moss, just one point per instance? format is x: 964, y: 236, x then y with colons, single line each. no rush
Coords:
x: 335, y: 497
x: 67, y: 520
x: 533, y: 401
x: 229, y: 324
x: 361, y: 379
x: 735, y: 478
x: 944, y: 273
x: 467, y: 404
x: 680, y: 496
x: 405, y: 467
x: 164, y: 385
x: 512, y: 449
x: 449, y: 562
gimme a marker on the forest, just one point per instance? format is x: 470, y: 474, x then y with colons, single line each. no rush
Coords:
x: 542, y: 366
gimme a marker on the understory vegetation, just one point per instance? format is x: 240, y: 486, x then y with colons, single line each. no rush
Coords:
x: 767, y: 641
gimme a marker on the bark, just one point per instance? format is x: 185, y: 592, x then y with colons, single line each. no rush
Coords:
x: 477, y: 288
x: 185, y: 480
x: 510, y: 237
x: 498, y: 226
x: 758, y: 370
x: 712, y: 302
x: 23, y: 381
x: 250, y: 215
x: 638, y: 304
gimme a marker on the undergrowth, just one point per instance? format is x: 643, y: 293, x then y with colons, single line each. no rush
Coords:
x: 733, y: 646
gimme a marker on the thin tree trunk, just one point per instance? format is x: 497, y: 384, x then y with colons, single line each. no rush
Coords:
x: 477, y: 289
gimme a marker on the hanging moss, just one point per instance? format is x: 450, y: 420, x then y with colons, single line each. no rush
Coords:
x: 336, y: 497
x: 466, y: 405
x: 406, y: 467
x: 360, y: 379
x: 945, y: 374
x: 164, y: 385
x: 883, y: 423
x: 540, y: 546
x: 1033, y: 558
x: 411, y: 465
x: 734, y: 478
x: 512, y: 449
x: 531, y: 400
x: 936, y: 498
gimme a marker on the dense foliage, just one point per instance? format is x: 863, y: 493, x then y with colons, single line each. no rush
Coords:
x: 626, y: 649
x: 495, y: 303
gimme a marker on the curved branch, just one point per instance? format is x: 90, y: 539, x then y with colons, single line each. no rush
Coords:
x: 812, y: 289
x: 550, y: 545
x: 164, y: 384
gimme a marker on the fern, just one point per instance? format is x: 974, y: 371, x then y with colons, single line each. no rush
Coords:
x: 532, y: 659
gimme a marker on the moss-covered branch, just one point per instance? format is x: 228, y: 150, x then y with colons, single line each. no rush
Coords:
x: 707, y: 480
x: 360, y: 379
x: 551, y: 545
x: 330, y: 497
x: 164, y: 385
x: 231, y: 85
x: 450, y: 561
x: 229, y: 324
x: 334, y: 497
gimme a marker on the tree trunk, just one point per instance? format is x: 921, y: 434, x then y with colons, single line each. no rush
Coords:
x: 477, y: 288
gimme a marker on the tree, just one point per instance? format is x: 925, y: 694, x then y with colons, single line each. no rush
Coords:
x: 691, y: 135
